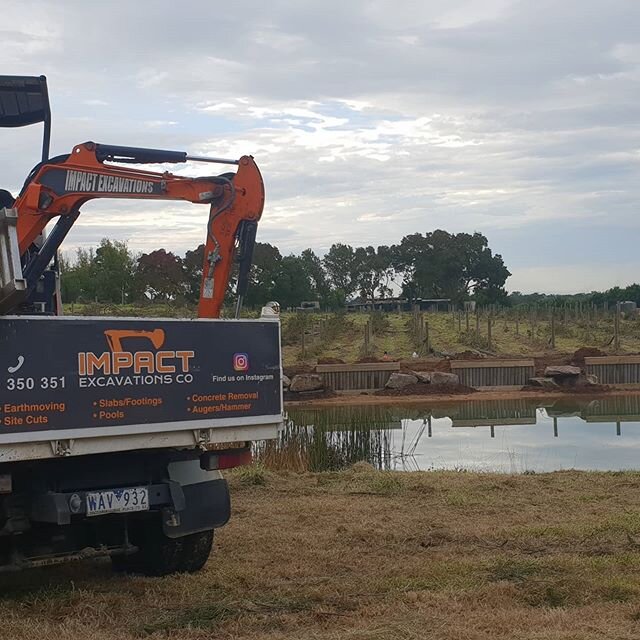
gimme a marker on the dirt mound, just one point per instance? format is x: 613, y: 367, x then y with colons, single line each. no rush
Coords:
x: 585, y: 352
x: 468, y: 355
x: 369, y: 360
x: 295, y: 369
x: 550, y: 360
x: 330, y: 361
x: 420, y: 389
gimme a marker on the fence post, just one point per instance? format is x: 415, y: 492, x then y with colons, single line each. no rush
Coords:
x: 304, y: 344
x: 616, y: 328
x: 427, y: 341
x: 466, y: 312
x: 366, y: 339
x: 553, y: 329
x: 459, y: 321
x: 532, y: 324
x: 517, y: 323
x: 489, y: 336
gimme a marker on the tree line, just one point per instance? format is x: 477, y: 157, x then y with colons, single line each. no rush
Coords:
x: 431, y: 265
x: 597, y: 298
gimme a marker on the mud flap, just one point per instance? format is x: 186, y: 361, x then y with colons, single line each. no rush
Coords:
x: 207, y: 504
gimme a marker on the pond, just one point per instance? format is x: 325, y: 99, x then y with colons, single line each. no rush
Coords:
x: 509, y: 436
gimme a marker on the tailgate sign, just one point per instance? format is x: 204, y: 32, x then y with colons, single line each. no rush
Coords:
x: 72, y: 373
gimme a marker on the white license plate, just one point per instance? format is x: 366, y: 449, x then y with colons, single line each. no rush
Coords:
x: 118, y: 501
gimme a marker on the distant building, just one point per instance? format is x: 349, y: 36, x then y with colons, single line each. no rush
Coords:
x: 399, y: 304
x: 309, y: 305
x: 432, y: 304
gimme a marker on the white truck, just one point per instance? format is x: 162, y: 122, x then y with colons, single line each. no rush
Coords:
x: 113, y: 431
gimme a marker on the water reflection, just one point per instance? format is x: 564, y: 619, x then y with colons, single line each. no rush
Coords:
x: 515, y: 436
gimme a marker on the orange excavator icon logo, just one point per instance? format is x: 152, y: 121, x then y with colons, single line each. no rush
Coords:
x: 116, y: 336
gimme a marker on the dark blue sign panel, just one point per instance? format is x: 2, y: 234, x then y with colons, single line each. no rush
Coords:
x: 58, y: 373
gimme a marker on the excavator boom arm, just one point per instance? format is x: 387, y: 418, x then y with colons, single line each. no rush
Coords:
x: 59, y: 187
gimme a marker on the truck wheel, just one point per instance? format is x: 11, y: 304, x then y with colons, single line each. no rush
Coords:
x: 159, y: 555
x: 196, y: 549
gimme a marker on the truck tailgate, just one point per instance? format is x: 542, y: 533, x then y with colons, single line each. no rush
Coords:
x: 75, y: 386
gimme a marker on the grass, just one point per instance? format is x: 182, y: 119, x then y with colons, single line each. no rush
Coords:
x: 366, y: 555
x: 255, y: 475
x: 341, y: 335
x: 392, y: 333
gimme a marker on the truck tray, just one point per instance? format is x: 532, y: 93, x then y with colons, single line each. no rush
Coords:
x: 74, y: 386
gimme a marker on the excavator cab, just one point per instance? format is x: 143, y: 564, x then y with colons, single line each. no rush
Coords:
x: 24, y: 100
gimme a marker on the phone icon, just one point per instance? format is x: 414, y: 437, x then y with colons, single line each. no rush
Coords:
x: 18, y: 366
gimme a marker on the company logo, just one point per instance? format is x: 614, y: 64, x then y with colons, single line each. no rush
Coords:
x: 89, y: 182
x: 135, y: 367
x: 241, y: 362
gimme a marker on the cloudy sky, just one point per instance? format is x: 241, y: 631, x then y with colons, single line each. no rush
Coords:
x: 370, y: 119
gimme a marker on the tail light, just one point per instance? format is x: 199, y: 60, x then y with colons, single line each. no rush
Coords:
x: 226, y: 459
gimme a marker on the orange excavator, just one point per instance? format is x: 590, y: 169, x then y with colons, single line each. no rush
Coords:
x: 57, y: 188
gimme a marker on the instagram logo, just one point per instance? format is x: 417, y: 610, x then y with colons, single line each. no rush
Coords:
x: 241, y: 362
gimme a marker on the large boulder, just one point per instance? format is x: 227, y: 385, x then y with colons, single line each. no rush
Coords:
x: 400, y: 380
x: 562, y: 371
x: 437, y: 377
x: 583, y: 380
x: 286, y: 381
x: 544, y: 383
x: 445, y: 379
x: 306, y: 382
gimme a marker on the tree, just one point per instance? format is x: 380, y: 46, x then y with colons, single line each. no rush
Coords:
x: 292, y: 284
x: 112, y: 272
x: 76, y: 282
x: 160, y: 275
x: 192, y: 268
x: 263, y: 274
x: 340, y: 263
x: 374, y: 271
x: 443, y: 265
x: 319, y: 285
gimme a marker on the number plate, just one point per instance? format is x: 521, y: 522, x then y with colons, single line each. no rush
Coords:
x: 118, y: 501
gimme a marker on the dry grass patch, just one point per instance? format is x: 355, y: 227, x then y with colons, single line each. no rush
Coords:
x: 367, y: 555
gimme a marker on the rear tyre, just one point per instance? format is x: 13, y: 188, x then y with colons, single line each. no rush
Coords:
x: 196, y: 549
x: 159, y: 555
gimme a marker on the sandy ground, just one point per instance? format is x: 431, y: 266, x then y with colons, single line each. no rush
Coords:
x: 365, y: 555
